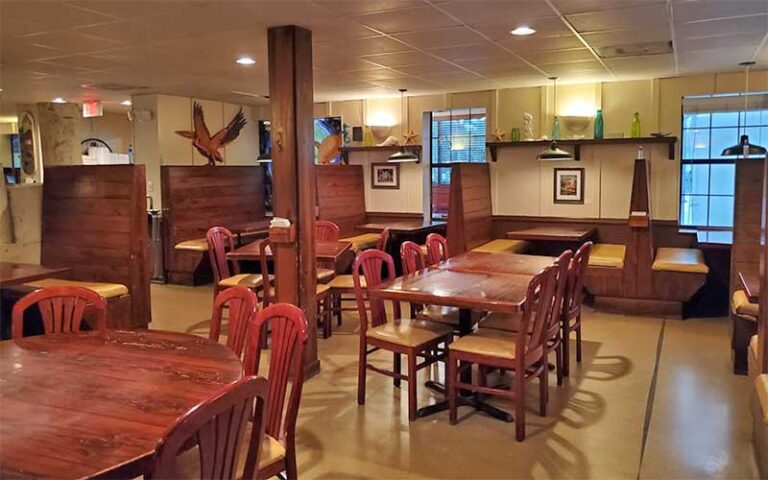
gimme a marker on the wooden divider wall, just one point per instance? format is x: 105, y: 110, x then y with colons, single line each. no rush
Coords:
x: 196, y: 198
x: 95, y: 222
x: 470, y: 222
x: 341, y: 196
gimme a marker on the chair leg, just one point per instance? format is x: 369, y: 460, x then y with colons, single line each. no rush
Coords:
x: 338, y: 310
x: 543, y: 390
x: 361, y: 371
x: 566, y: 348
x: 559, y: 363
x: 519, y: 383
x: 578, y: 339
x: 412, y: 384
x: 482, y: 372
x: 450, y: 387
x: 291, y: 471
x: 396, y: 358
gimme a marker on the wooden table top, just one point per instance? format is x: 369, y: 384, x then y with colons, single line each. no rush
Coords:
x: 77, y: 405
x: 492, y: 292
x: 751, y: 283
x: 497, y: 263
x: 324, y: 251
x: 261, y: 225
x: 552, y: 233
x: 15, y: 273
x: 403, y: 226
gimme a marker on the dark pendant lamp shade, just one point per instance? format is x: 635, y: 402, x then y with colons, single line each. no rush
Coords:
x: 402, y: 155
x: 554, y: 153
x: 744, y: 148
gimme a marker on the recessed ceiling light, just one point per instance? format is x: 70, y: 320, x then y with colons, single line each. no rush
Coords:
x: 58, y: 100
x: 245, y: 61
x: 127, y: 103
x: 523, y: 30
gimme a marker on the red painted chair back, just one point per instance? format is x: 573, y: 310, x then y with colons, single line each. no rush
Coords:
x: 242, y: 304
x: 288, y: 339
x: 437, y: 248
x: 264, y: 249
x: 61, y: 309
x: 220, y: 241
x: 370, y: 265
x: 411, y: 257
x: 537, y: 310
x: 217, y: 427
x: 326, y: 231
x: 575, y: 286
x: 383, y: 240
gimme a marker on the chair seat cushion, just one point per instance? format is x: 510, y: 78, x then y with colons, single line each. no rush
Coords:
x: 508, y: 322
x: 196, y: 245
x: 689, y: 260
x: 272, y: 451
x: 106, y: 290
x: 408, y: 333
x: 248, y: 280
x: 187, y: 464
x: 325, y: 274
x: 741, y: 305
x: 345, y: 282
x: 363, y: 241
x: 607, y: 255
x: 761, y: 388
x: 503, y: 245
x: 488, y: 342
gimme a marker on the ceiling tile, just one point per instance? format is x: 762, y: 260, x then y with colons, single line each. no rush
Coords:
x: 403, y: 21
x: 444, y: 37
x: 545, y: 27
x: 755, y: 24
x: 536, y: 43
x: 354, y: 7
x: 410, y: 57
x: 509, y: 13
x: 620, y: 18
x: 614, y: 38
x: 466, y: 52
x: 580, y: 6
x: 52, y: 14
x: 71, y: 42
x: 747, y: 40
x: 558, y: 56
x: 689, y: 11
x: 366, y: 46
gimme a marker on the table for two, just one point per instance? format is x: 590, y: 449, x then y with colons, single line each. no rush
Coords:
x: 491, y: 282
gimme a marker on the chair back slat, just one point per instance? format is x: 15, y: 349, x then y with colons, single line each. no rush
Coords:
x: 437, y: 248
x: 242, y: 304
x: 411, y: 257
x: 220, y: 241
x: 326, y: 231
x: 562, y: 264
x: 217, y: 427
x: 370, y: 265
x: 575, y: 286
x: 264, y: 248
x: 61, y: 309
x: 287, y: 328
x: 537, y: 309
x: 383, y: 241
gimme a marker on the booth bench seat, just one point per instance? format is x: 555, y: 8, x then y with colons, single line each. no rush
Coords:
x: 743, y: 329
x: 188, y: 263
x: 363, y: 241
x: 503, y: 245
x: 196, y: 245
x: 689, y: 260
x: 607, y: 255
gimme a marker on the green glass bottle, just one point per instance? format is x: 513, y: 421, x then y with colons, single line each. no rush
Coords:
x: 556, y: 128
x: 636, y: 132
x: 599, y: 124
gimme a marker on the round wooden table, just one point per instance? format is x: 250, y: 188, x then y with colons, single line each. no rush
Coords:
x: 80, y: 405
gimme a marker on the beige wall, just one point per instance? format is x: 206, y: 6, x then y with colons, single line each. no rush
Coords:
x: 25, y: 203
x: 114, y: 128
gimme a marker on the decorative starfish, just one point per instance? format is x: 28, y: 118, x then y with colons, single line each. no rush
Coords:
x: 498, y: 135
x: 201, y: 138
x: 410, y: 138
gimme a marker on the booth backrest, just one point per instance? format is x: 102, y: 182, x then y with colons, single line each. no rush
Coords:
x: 470, y: 217
x: 745, y: 252
x: 640, y: 249
x: 95, y: 222
x: 341, y: 197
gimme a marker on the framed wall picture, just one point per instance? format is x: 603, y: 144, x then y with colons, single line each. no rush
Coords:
x: 569, y: 185
x: 385, y: 175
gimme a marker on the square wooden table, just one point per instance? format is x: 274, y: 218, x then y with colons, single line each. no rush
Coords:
x: 404, y: 227
x: 15, y: 273
x: 500, y: 262
x: 751, y: 283
x: 325, y: 251
x: 546, y: 233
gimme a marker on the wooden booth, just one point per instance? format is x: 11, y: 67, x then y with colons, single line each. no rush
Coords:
x: 196, y: 198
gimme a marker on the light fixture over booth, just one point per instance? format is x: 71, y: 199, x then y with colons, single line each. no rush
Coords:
x: 402, y: 155
x: 553, y: 152
x: 744, y: 147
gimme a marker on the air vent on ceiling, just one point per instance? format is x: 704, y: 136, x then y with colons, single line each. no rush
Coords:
x: 635, y: 50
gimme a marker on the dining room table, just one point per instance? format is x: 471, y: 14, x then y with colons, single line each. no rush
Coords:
x: 15, y: 273
x: 497, y: 262
x: 250, y: 229
x: 95, y: 404
x: 324, y: 251
x: 553, y: 239
x: 400, y: 230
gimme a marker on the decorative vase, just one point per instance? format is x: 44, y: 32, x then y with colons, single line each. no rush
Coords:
x: 368, y: 137
x: 599, y: 124
x: 636, y: 132
x: 514, y: 135
x: 556, y: 128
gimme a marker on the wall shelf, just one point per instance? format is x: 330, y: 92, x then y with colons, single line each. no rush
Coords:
x: 345, y: 151
x: 493, y: 147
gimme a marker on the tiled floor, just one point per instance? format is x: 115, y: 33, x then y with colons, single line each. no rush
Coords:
x: 653, y: 398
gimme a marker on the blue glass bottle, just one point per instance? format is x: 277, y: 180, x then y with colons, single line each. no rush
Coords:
x: 556, y: 128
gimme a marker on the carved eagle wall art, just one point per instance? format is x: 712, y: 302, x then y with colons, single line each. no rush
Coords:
x: 208, y: 145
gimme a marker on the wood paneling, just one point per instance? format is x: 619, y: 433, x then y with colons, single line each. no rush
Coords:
x: 341, y: 196
x: 470, y: 218
x: 95, y: 222
x: 198, y: 198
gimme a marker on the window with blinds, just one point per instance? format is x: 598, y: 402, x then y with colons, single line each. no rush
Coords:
x: 457, y: 135
x: 710, y: 124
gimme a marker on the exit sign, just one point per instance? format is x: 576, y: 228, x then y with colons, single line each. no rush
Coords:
x: 92, y: 108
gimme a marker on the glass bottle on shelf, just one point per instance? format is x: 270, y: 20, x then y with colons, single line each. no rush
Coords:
x: 599, y: 124
x: 636, y: 126
x: 556, y: 128
x: 367, y: 137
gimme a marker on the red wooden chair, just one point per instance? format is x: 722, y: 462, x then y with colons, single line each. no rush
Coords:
x: 227, y: 274
x: 288, y: 327
x: 414, y: 338
x: 524, y: 353
x: 218, y: 428
x: 326, y: 231
x: 61, y: 309
x: 572, y: 303
x: 437, y: 248
x: 383, y: 241
x: 242, y: 304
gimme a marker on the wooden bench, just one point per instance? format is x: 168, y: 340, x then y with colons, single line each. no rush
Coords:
x: 196, y: 198
x: 470, y: 216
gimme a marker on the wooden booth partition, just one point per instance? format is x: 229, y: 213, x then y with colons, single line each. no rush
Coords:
x: 470, y: 216
x: 341, y: 196
x: 196, y: 198
x: 95, y: 222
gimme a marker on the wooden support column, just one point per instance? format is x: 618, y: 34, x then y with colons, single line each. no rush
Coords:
x: 762, y: 317
x: 290, y: 90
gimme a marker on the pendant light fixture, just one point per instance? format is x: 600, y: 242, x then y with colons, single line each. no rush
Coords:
x: 402, y: 155
x: 744, y: 147
x: 554, y: 152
